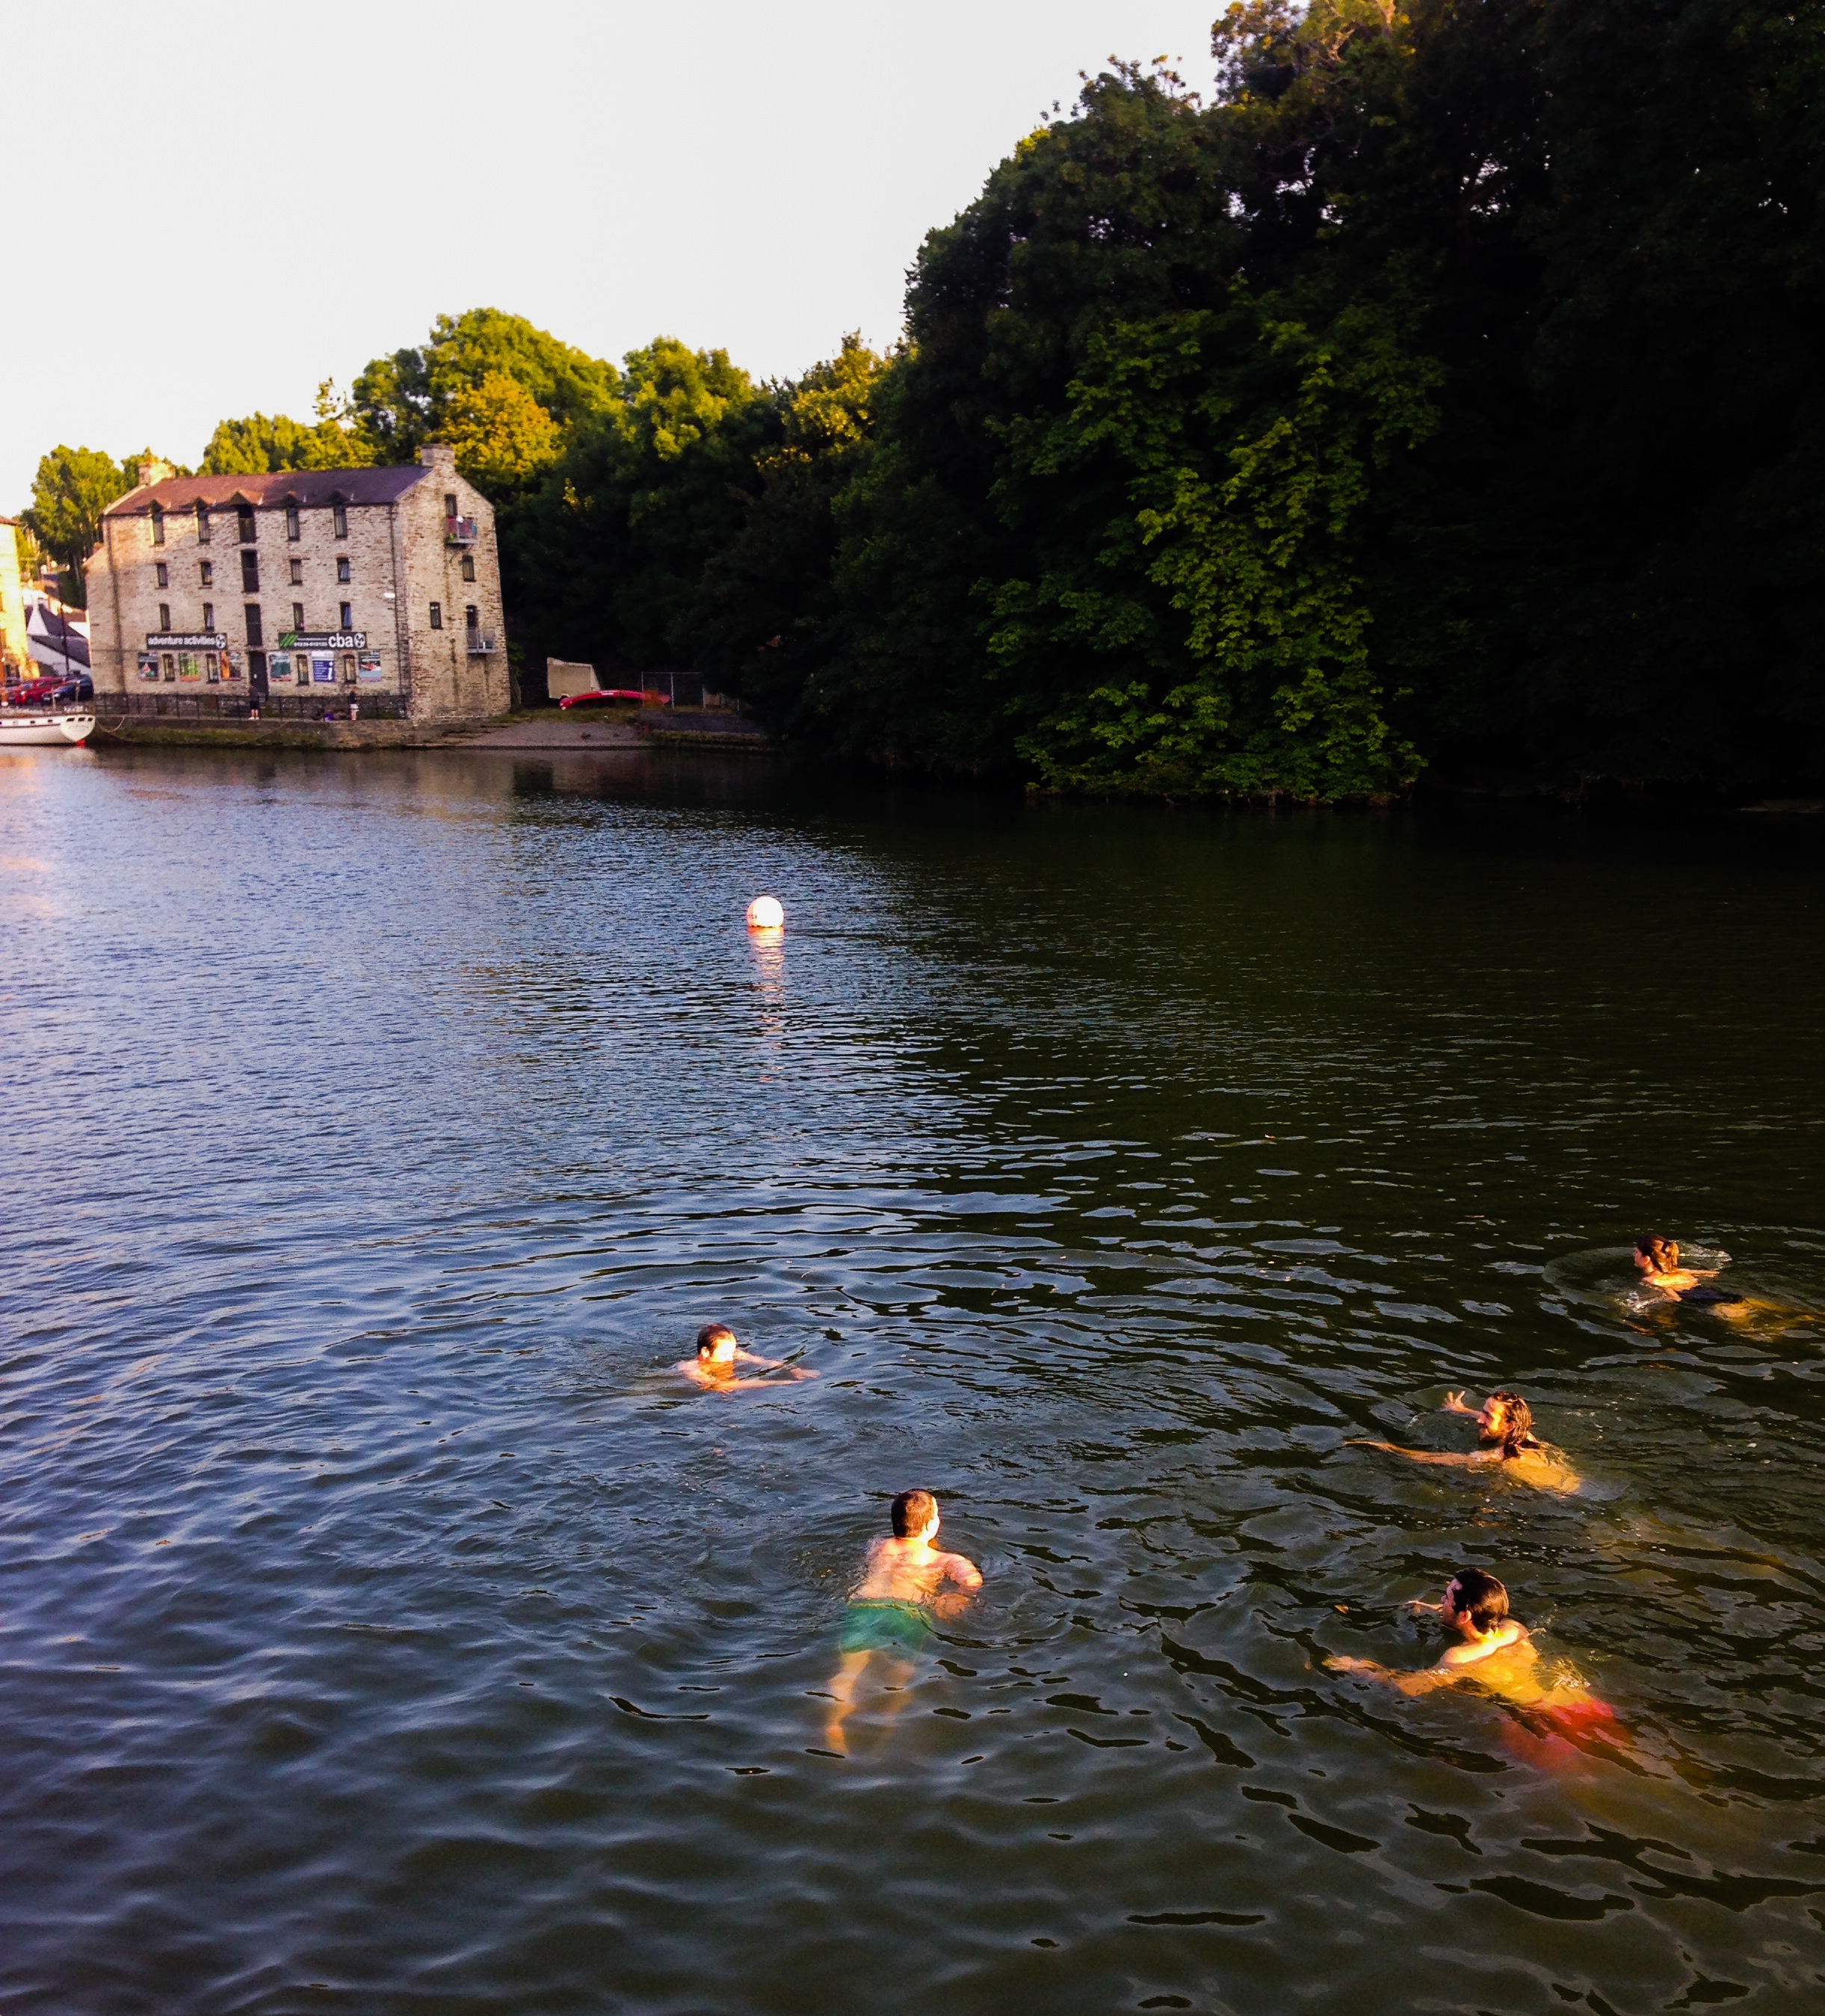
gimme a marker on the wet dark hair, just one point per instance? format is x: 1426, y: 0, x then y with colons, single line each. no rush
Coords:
x: 712, y: 1335
x: 1663, y: 1254
x: 1517, y: 1423
x: 1482, y: 1595
x: 912, y: 1513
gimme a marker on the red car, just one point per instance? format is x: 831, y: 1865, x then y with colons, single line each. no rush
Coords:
x: 615, y: 692
x: 34, y: 692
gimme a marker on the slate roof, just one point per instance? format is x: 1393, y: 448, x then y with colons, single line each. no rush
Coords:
x: 305, y: 487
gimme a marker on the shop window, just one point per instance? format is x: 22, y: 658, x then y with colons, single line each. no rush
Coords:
x: 164, y: 616
x: 249, y: 574
x: 256, y: 635
x: 436, y: 616
x: 205, y: 573
x: 293, y: 529
x: 245, y: 513
x: 202, y: 524
x: 158, y: 525
x: 297, y: 616
x: 469, y: 567
x: 342, y: 573
x: 209, y: 616
x: 164, y: 575
x: 347, y: 615
x: 341, y: 518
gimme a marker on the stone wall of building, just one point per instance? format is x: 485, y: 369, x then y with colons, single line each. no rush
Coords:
x: 452, y: 677
x: 395, y: 554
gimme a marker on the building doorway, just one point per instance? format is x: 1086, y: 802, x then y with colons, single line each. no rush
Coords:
x: 257, y: 677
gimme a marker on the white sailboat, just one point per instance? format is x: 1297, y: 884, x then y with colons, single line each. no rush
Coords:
x: 26, y: 727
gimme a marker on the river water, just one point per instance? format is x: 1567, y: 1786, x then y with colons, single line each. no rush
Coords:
x: 384, y: 1627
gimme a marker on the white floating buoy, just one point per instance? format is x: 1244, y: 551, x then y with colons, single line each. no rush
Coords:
x: 766, y: 913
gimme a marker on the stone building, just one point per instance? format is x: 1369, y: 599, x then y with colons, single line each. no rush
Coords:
x: 333, y: 584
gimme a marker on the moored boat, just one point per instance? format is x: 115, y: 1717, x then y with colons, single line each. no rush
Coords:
x: 22, y: 727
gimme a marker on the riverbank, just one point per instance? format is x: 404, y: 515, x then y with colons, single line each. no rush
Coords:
x: 541, y: 730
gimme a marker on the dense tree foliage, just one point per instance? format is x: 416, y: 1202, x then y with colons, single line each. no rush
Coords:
x: 1442, y: 396
x: 1446, y: 392
x: 73, y: 488
x: 260, y: 444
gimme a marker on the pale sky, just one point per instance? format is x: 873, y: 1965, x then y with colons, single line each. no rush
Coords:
x: 235, y: 200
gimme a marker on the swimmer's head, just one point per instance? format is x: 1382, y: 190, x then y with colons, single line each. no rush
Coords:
x: 915, y: 1515
x: 1508, y: 1419
x: 1656, y: 1256
x: 716, y: 1345
x: 1479, y: 1597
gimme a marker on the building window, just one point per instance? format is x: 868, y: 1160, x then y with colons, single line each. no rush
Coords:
x: 245, y: 513
x: 469, y: 567
x: 342, y: 567
x: 450, y: 504
x: 205, y: 573
x: 298, y: 572
x: 209, y: 616
x: 348, y: 609
x: 297, y: 616
x: 164, y: 575
x: 158, y: 525
x: 436, y: 616
x: 249, y: 574
x: 341, y: 521
x: 256, y: 636
x: 170, y: 664
x: 202, y: 522
x: 164, y: 616
x: 293, y: 529
x: 471, y: 617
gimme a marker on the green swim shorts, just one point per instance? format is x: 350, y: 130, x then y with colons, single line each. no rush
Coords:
x: 873, y: 1624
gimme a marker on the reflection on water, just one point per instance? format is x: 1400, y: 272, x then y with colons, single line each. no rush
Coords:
x: 383, y: 1627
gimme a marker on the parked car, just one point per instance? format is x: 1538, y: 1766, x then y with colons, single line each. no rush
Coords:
x: 52, y: 692
x: 614, y: 693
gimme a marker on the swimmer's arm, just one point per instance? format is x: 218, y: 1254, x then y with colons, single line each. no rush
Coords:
x: 1420, y: 1455
x: 1452, y: 1403
x: 1421, y: 1683
x: 962, y: 1571
x: 772, y: 1365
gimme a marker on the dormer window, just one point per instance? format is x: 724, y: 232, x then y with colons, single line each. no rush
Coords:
x: 245, y: 513
x: 202, y: 522
x: 340, y: 515
x: 158, y: 525
x: 293, y: 529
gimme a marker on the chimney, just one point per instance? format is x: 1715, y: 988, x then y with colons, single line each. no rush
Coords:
x: 156, y: 470
x: 439, y: 455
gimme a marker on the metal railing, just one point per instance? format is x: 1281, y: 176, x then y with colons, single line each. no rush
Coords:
x: 460, y: 531
x: 373, y: 706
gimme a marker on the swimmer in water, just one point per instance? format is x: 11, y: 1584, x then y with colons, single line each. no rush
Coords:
x: 1504, y: 1429
x: 718, y: 1356
x: 1659, y: 1262
x: 1496, y: 1651
x: 896, y: 1603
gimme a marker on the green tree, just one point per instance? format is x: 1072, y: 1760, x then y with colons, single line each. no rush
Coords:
x: 447, y: 385
x: 257, y: 444
x: 73, y: 488
x: 611, y: 549
x: 757, y: 621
